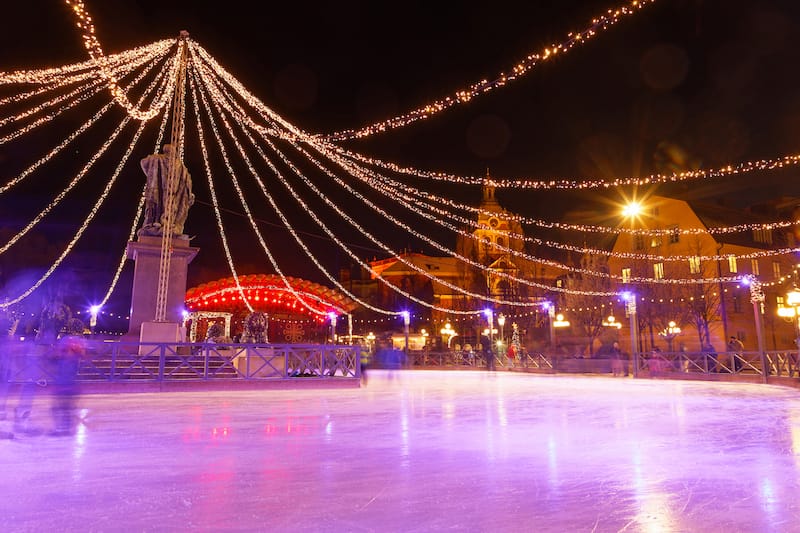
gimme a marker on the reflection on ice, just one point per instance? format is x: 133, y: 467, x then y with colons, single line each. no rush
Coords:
x: 420, y: 451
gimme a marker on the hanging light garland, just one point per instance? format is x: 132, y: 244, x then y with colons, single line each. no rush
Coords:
x: 214, y: 90
x: 394, y: 190
x: 92, y: 45
x: 462, y: 96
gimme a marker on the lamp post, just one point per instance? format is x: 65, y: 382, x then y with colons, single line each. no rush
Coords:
x: 630, y: 299
x: 371, y: 342
x: 669, y: 333
x: 757, y: 299
x: 490, y: 333
x: 449, y: 332
x: 501, y: 321
x: 406, y: 322
x: 93, y: 311
x: 793, y: 312
x: 333, y: 317
x: 551, y: 316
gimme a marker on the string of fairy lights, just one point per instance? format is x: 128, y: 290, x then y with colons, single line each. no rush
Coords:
x: 394, y: 189
x: 233, y: 113
x: 463, y: 96
x: 95, y: 51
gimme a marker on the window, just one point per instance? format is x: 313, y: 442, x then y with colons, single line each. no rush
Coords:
x: 754, y: 267
x: 501, y: 242
x: 737, y: 303
x: 638, y: 242
x: 762, y: 235
x: 655, y: 241
x: 675, y: 234
x: 694, y: 265
x: 626, y: 275
x: 780, y: 302
x: 732, y: 266
x: 776, y: 269
x: 658, y: 270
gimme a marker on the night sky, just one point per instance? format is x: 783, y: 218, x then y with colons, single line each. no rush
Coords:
x: 682, y: 84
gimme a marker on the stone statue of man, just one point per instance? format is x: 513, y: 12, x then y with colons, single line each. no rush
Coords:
x: 157, y: 167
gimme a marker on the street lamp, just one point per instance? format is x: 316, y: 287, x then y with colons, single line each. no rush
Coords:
x: 490, y: 352
x: 501, y: 321
x: 630, y: 299
x: 406, y: 322
x: 333, y: 317
x: 371, y: 342
x: 93, y: 311
x: 449, y: 332
x: 669, y: 333
x: 793, y: 312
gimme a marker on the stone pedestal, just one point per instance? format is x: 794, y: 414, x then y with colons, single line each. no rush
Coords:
x: 146, y: 253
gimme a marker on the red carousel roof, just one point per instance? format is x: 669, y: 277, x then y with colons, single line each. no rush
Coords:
x: 268, y: 292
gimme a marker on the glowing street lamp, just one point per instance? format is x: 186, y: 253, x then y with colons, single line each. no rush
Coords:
x: 669, y: 333
x: 371, y: 341
x: 501, y: 321
x: 611, y: 322
x: 449, y: 332
x: 630, y: 299
x: 332, y: 317
x: 793, y: 311
x: 490, y: 353
x: 93, y: 312
x: 406, y: 322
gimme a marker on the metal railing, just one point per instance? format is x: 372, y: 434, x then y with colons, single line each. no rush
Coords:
x: 125, y: 361
x: 782, y: 363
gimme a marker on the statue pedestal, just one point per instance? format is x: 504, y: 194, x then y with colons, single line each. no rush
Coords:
x: 146, y: 253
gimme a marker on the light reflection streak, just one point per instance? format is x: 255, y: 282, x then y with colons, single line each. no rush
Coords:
x: 79, y: 446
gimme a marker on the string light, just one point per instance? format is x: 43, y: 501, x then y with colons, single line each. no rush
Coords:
x: 578, y: 183
x: 585, y: 228
x: 86, y: 125
x: 97, y: 155
x: 462, y: 96
x: 96, y: 53
x: 409, y: 202
x: 85, y: 224
x: 55, y: 74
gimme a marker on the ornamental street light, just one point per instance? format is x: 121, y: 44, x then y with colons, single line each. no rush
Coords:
x: 501, y: 321
x: 406, y: 322
x: 792, y: 311
x: 333, y: 318
x: 449, y: 332
x: 669, y: 333
x: 630, y: 299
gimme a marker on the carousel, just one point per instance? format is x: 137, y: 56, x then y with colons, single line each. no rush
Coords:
x: 299, y: 313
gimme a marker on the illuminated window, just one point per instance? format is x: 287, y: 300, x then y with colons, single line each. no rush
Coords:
x: 675, y: 234
x: 754, y: 267
x: 626, y: 275
x: 655, y: 241
x: 776, y: 269
x: 658, y: 270
x: 732, y: 266
x: 694, y: 265
x: 762, y: 235
x: 780, y: 301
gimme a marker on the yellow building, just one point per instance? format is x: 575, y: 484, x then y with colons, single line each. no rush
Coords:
x: 708, y: 312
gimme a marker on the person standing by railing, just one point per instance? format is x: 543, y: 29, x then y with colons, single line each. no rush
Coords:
x: 735, y: 349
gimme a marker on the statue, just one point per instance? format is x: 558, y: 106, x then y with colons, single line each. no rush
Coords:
x: 156, y: 167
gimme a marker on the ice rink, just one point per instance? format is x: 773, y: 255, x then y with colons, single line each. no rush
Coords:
x: 417, y: 451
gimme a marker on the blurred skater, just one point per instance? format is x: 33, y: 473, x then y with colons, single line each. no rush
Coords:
x: 68, y: 354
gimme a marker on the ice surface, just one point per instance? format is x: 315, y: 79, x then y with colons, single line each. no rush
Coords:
x: 417, y: 451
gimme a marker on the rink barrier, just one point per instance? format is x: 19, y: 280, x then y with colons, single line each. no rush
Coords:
x: 163, y: 362
x: 692, y: 365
